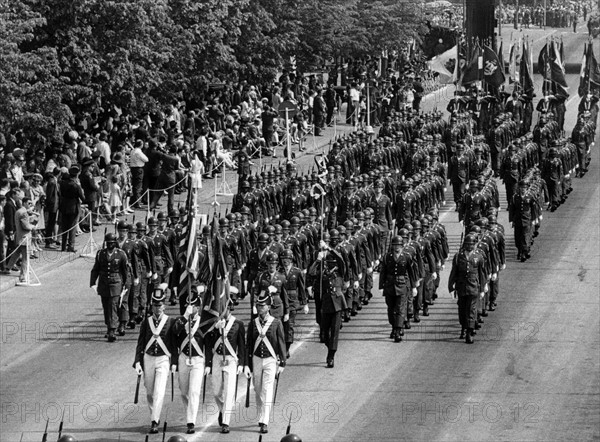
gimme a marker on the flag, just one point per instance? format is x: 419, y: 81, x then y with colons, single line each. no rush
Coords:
x: 217, y: 294
x: 188, y: 248
x: 512, y: 63
x: 589, y: 77
x: 526, y: 71
x: 557, y: 66
x: 459, y: 66
x: 492, y: 68
x: 502, y: 66
x: 471, y: 73
x: 444, y: 64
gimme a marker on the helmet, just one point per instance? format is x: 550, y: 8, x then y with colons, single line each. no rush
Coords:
x: 206, y: 229
x: 348, y: 185
x: 140, y: 227
x: 174, y: 213
x: 341, y: 229
x: 122, y: 225
x: 470, y: 239
x: 312, y: 211
x: 272, y: 257
x: 231, y: 217
x: 295, y: 221
x: 182, y: 211
x: 482, y: 222
x: 492, y: 219
x: 177, y: 438
x: 291, y: 438
x: 474, y: 184
x: 360, y: 216
x: 294, y: 183
x: 397, y: 241
x: 348, y: 224
x: 286, y: 254
x: 162, y: 216
x: 152, y: 221
x: 403, y: 233
x: 270, y: 230
x: 424, y: 222
x: 475, y: 229
x: 334, y: 234
x: 223, y: 222
x: 245, y: 210
x: 110, y: 237
x: 66, y: 438
x: 285, y: 225
x: 278, y: 229
x: 416, y: 225
x: 263, y: 237
x: 305, y: 212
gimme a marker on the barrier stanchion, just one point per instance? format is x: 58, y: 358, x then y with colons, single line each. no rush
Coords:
x: 30, y: 279
x: 91, y: 247
x: 148, y: 212
x: 224, y: 189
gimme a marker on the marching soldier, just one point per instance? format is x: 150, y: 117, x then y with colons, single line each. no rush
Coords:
x: 161, y: 253
x: 458, y: 172
x: 382, y: 214
x: 273, y: 283
x: 296, y: 293
x: 467, y: 281
x: 266, y: 344
x: 146, y: 270
x: 398, y: 282
x: 327, y: 273
x: 521, y: 216
x: 110, y: 270
x: 155, y: 352
x: 128, y: 306
x: 227, y: 356
x: 190, y: 343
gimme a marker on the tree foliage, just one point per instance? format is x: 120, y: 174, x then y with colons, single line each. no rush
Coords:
x: 65, y: 57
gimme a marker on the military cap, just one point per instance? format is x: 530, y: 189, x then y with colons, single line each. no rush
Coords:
x: 397, y: 240
x: 194, y: 298
x: 263, y: 237
x: 286, y: 254
x: 158, y: 295
x: 245, y: 210
x: 269, y: 230
x: 122, y: 225
x: 223, y: 222
x: 379, y: 184
x: 474, y: 184
x: 140, y: 226
x: 264, y: 298
x: 291, y: 438
x: 74, y: 170
x: 416, y: 225
x: 295, y: 221
x: 161, y: 216
x: 470, y: 239
x: 285, y: 224
x: 110, y: 237
x: 272, y: 257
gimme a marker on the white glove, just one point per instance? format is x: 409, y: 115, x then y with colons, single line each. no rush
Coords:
x: 220, y: 324
x: 356, y: 285
x: 173, y: 368
x: 481, y: 295
x: 169, y: 270
x: 503, y: 266
x: 443, y: 266
x: 95, y: 288
x: 376, y: 262
x: 286, y: 317
x: 206, y: 371
x: 272, y: 289
x: 155, y: 276
x: 494, y: 276
x: 280, y: 370
x: 247, y: 372
x: 188, y: 311
x: 305, y: 309
x: 254, y: 311
x: 303, y: 272
x: 346, y: 285
x: 201, y: 288
x: 239, y: 272
x: 136, y: 281
x: 321, y: 256
x: 322, y: 244
x: 414, y: 292
x: 369, y: 270
x: 148, y: 275
x: 138, y: 368
x: 434, y: 275
x: 486, y: 288
x: 360, y: 276
x: 310, y: 291
x: 240, y: 369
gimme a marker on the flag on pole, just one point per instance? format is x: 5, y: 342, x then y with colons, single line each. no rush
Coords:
x: 589, y: 77
x: 444, y: 64
x: 217, y: 295
x: 471, y: 73
x: 187, y: 255
x: 493, y: 73
x: 526, y: 71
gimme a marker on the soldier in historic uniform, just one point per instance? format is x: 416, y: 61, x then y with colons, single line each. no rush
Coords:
x: 467, y: 281
x: 161, y: 253
x: 110, y: 270
x: 147, y: 269
x: 128, y: 307
x: 190, y: 343
x: 327, y: 273
x: 398, y: 281
x: 458, y: 173
x: 382, y: 214
x: 226, y: 357
x: 553, y: 173
x: 156, y: 351
x: 521, y: 217
x: 266, y: 356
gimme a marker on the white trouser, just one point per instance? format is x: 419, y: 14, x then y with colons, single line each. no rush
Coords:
x: 190, y: 384
x: 224, y: 384
x: 156, y: 375
x: 263, y: 373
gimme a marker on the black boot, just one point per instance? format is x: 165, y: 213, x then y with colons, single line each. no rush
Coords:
x: 469, y: 339
x: 330, y: 356
x: 287, y: 349
x: 462, y: 333
x: 397, y: 336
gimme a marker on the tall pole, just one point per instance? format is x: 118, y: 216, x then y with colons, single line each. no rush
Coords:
x: 287, y: 135
x: 545, y: 6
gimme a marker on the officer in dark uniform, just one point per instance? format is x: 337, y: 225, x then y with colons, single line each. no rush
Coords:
x: 521, y: 216
x: 146, y: 259
x: 129, y: 306
x: 467, y: 281
x: 296, y: 293
x: 382, y: 214
x: 161, y: 253
x: 327, y: 270
x: 458, y: 172
x: 110, y: 270
x: 398, y: 281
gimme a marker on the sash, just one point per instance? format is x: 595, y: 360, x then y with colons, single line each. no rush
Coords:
x: 262, y: 336
x: 156, y: 335
x: 191, y: 334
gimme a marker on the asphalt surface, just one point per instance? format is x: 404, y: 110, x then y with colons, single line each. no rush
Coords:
x: 532, y: 374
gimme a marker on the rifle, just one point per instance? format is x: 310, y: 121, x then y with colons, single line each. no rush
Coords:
x: 60, y: 427
x: 204, y: 389
x: 172, y: 388
x: 250, y: 340
x: 137, y: 389
x: 289, y: 427
x: 164, y: 431
x: 45, y: 436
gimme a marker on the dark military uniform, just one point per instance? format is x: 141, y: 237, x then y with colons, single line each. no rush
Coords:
x: 110, y: 269
x: 280, y: 306
x: 296, y: 294
x: 397, y: 279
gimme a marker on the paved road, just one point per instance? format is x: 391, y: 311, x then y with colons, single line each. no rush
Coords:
x: 533, y: 373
